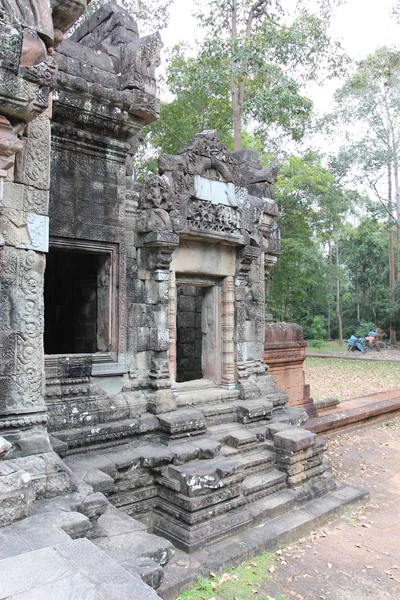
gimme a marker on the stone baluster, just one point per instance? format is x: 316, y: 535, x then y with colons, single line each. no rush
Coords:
x: 228, y: 327
x: 172, y: 326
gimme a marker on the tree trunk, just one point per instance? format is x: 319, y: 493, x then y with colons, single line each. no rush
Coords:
x: 330, y: 289
x: 338, y: 315
x: 237, y: 117
x: 392, y: 275
x: 236, y: 88
x: 397, y: 195
x: 357, y: 294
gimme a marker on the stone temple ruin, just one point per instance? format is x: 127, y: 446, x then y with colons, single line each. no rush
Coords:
x: 135, y: 405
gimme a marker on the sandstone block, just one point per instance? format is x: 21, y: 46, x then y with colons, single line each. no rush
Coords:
x: 294, y: 439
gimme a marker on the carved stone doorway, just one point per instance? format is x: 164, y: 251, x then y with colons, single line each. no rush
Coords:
x: 201, y: 325
x: 196, y: 330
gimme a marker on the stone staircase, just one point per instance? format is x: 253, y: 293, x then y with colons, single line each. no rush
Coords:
x: 221, y: 467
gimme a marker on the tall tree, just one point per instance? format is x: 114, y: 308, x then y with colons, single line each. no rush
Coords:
x: 267, y: 59
x: 313, y: 207
x: 369, y: 102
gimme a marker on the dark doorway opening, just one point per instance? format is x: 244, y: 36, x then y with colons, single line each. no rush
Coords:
x: 189, y: 333
x: 73, y: 324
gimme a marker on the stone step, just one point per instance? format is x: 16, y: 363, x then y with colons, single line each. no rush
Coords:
x: 270, y: 507
x: 240, y: 437
x: 218, y: 414
x: 263, y: 482
x: 254, y: 410
x: 210, y: 394
x: 292, y: 416
x: 198, y: 477
x: 257, y: 460
x: 114, y: 522
x: 107, y: 433
x: 182, y: 423
x: 128, y: 548
x: 232, y: 435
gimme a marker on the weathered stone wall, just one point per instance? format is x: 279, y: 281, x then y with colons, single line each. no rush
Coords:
x: 29, y: 32
x: 105, y: 93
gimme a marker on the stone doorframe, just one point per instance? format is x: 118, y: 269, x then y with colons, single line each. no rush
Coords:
x: 226, y: 317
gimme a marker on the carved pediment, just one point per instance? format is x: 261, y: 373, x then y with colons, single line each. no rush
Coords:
x: 202, y: 192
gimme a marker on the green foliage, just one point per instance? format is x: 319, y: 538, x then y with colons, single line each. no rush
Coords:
x: 235, y: 583
x: 271, y: 55
x: 312, y: 206
x: 201, y: 101
x: 318, y: 328
x: 369, y: 102
x: 365, y: 257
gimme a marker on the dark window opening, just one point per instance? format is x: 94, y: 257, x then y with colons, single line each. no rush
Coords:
x: 189, y: 333
x: 75, y: 297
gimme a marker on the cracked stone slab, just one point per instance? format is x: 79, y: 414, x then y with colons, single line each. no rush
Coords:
x: 75, y: 569
x: 127, y: 548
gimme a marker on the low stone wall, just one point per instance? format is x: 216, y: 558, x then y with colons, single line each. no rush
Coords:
x: 285, y: 353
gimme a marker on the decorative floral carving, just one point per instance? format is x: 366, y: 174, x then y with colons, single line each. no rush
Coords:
x: 203, y: 215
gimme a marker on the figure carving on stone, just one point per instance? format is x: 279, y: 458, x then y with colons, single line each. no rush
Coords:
x: 155, y: 205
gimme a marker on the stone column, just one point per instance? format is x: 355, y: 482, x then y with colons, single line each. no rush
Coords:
x: 172, y: 326
x: 24, y: 228
x: 27, y: 75
x: 228, y: 327
x: 155, y: 259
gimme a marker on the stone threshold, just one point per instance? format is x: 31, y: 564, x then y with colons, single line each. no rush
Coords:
x: 183, y: 569
x: 352, y: 356
x: 354, y: 411
x: 202, y: 391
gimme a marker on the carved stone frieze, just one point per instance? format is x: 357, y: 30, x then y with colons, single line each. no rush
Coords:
x: 201, y: 191
x: 205, y: 216
x: 21, y: 332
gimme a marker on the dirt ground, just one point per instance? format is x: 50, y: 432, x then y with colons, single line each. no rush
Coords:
x: 357, y: 556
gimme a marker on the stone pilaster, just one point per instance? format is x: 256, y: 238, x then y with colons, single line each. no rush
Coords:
x: 155, y: 258
x: 228, y: 328
x: 29, y: 33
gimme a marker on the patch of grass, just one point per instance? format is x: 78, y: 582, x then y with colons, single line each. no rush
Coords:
x: 241, y: 582
x: 326, y: 348
x: 345, y: 379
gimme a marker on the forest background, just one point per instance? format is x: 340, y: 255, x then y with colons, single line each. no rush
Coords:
x: 261, y: 73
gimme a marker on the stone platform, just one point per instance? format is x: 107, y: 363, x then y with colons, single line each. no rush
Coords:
x: 71, y: 570
x: 355, y: 411
x: 43, y: 557
x: 183, y: 570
